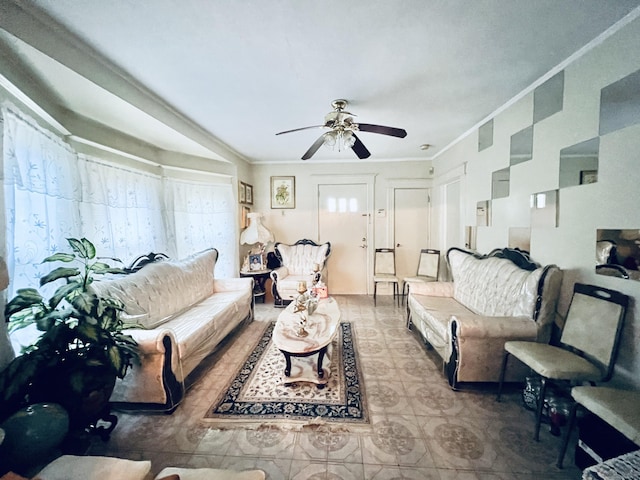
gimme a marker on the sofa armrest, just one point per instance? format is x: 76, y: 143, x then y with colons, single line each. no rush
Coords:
x: 150, y: 341
x: 433, y: 289
x: 232, y: 284
x: 279, y: 272
x: 481, y: 326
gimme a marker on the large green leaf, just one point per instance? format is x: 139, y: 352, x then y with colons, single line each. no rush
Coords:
x: 25, y: 298
x: 88, y: 332
x: 85, y: 302
x: 60, y: 272
x: 83, y: 247
x: 115, y: 357
x: 63, y: 292
x: 60, y: 257
x: 99, y: 267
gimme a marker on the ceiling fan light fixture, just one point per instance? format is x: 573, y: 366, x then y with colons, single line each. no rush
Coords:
x: 342, y: 130
x: 330, y: 139
x: 348, y: 139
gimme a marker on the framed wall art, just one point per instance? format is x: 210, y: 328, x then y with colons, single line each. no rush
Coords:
x: 248, y: 193
x: 244, y: 219
x: 588, y: 176
x: 283, y: 192
x: 242, y: 192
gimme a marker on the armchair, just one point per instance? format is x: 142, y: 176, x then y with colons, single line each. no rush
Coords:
x: 297, y: 263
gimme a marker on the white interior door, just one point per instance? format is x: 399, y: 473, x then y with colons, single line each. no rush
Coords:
x: 411, y: 228
x: 343, y: 220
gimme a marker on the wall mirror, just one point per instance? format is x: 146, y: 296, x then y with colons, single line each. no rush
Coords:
x: 521, y: 146
x: 485, y: 135
x: 500, y: 183
x: 579, y: 163
x: 620, y: 104
x: 520, y: 237
x: 618, y: 253
x: 544, y: 209
x: 548, y: 97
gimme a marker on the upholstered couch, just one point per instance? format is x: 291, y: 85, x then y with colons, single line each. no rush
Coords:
x: 72, y: 467
x: 494, y: 298
x: 184, y: 313
x: 297, y: 264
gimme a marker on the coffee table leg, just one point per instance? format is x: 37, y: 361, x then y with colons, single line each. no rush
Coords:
x: 321, y: 354
x: 287, y: 360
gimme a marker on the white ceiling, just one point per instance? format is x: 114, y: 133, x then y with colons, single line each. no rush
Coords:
x: 221, y: 77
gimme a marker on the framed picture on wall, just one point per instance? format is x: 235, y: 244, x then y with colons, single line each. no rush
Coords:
x: 283, y: 192
x: 242, y: 192
x: 244, y: 220
x: 588, y: 176
x: 248, y: 193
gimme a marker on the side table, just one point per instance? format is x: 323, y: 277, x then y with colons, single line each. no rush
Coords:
x: 259, y: 279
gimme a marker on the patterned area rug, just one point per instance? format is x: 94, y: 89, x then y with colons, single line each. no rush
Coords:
x: 258, y: 391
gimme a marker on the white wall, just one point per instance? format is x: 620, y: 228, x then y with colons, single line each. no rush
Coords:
x: 289, y: 226
x: 612, y: 202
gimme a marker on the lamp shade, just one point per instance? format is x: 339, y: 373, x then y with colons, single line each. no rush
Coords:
x: 255, y: 232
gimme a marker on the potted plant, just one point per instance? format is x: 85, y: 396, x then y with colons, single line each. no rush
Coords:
x: 82, y: 348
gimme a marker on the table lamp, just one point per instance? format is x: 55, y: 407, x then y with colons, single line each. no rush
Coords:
x: 255, y: 234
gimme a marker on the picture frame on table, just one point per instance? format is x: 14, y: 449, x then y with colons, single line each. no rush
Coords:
x: 256, y: 262
x: 283, y: 192
x: 242, y: 192
x: 248, y: 194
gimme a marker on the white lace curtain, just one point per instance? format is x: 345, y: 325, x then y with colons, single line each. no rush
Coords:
x: 52, y: 193
x: 199, y: 216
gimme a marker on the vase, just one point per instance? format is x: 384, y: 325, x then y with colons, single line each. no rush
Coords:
x: 33, y: 432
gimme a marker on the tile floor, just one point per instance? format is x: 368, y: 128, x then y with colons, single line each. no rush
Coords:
x: 420, y: 428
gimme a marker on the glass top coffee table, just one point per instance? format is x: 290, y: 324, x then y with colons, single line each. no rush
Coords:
x: 312, y: 352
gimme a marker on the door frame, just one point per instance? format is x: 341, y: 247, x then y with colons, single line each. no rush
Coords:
x: 367, y: 179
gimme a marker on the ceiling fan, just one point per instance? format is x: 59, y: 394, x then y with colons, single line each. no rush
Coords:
x: 342, y: 130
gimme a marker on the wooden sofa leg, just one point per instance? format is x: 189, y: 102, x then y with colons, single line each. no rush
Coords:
x: 375, y: 287
x: 503, y: 370
x: 451, y: 367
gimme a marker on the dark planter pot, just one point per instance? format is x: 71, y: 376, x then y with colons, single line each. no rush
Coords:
x: 84, y: 393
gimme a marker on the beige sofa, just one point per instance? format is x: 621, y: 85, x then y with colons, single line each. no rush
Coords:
x: 72, y: 467
x: 184, y: 313
x: 296, y: 265
x: 494, y: 298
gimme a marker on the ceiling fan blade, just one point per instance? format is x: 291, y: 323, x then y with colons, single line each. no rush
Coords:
x: 394, y: 132
x: 314, y: 148
x: 298, y: 129
x: 359, y: 149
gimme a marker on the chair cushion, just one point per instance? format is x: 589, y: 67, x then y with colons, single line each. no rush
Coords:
x: 553, y: 362
x: 385, y: 278
x: 211, y: 474
x: 619, y: 408
x: 72, y: 467
x: 624, y: 467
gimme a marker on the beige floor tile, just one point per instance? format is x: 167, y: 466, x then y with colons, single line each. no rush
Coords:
x: 420, y: 428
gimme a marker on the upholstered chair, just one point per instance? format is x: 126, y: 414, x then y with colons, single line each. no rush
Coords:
x: 305, y: 261
x: 587, y: 348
